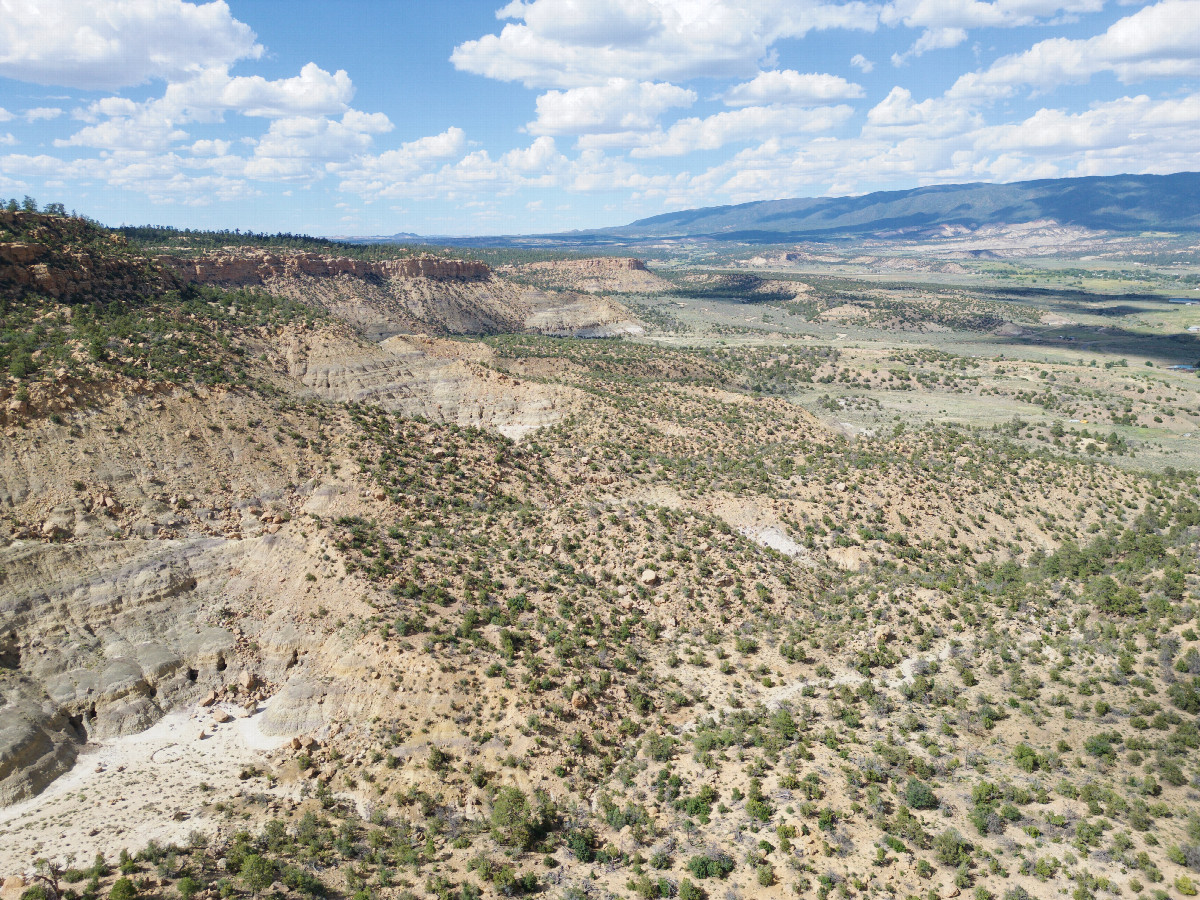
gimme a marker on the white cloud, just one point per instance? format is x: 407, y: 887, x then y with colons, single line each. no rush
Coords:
x: 310, y: 97
x: 210, y: 148
x: 576, y: 43
x: 388, y: 173
x: 941, y: 14
x: 314, y: 92
x: 945, y: 22
x: 298, y: 147
x: 163, y: 178
x: 446, y: 145
x: 7, y: 140
x: 861, y: 63
x: 897, y: 115
x: 1162, y: 40
x: 1120, y: 125
x: 791, y: 88
x: 42, y: 113
x: 751, y: 123
x: 620, y: 104
x: 143, y: 132
x: 931, y: 39
x: 420, y: 171
x: 109, y: 45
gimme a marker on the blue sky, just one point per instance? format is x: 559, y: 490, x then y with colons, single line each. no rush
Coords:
x: 481, y: 117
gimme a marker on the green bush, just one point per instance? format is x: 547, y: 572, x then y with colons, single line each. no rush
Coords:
x: 716, y: 864
x: 1027, y: 759
x: 951, y: 848
x: 258, y: 872
x: 122, y: 889
x: 919, y: 795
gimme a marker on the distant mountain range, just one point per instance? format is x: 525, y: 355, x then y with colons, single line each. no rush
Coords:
x: 1120, y: 203
x: 1108, y: 203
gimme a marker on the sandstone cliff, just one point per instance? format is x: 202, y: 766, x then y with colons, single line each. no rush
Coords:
x: 256, y: 267
x: 604, y: 274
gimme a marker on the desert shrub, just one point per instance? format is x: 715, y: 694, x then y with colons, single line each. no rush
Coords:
x: 919, y: 795
x: 951, y: 848
x: 714, y: 864
x: 258, y: 872
x: 1028, y: 760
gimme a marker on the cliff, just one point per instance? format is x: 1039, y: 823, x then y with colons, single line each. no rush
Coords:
x: 603, y: 274
x: 259, y: 267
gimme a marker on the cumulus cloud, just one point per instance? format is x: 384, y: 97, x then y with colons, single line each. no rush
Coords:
x: 119, y: 42
x: 438, y: 167
x: 145, y: 133
x: 931, y: 39
x: 156, y: 124
x: 1162, y: 40
x: 978, y: 14
x: 861, y: 63
x: 946, y: 22
x: 42, y: 113
x: 297, y: 148
x: 314, y: 92
x: 751, y: 123
x: 618, y: 105
x: 1121, y: 125
x: 791, y: 88
x: 899, y: 115
x: 163, y: 178
x: 576, y: 43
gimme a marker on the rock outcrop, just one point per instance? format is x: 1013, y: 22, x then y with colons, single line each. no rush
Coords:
x: 594, y: 275
x: 55, y: 260
x: 257, y: 267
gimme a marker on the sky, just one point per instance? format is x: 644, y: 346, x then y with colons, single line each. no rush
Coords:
x: 469, y: 117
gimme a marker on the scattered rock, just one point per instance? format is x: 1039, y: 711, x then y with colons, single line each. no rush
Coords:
x: 649, y: 577
x: 579, y: 700
x: 220, y: 716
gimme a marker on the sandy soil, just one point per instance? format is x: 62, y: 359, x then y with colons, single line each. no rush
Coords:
x: 138, y: 788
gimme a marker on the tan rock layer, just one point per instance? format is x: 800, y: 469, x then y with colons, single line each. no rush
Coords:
x: 257, y: 267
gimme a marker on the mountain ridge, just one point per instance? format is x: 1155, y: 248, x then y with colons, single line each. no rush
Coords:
x: 1107, y: 203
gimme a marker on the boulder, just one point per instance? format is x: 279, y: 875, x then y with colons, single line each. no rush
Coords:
x: 649, y: 577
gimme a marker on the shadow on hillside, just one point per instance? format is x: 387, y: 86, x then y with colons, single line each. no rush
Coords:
x: 1180, y: 348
